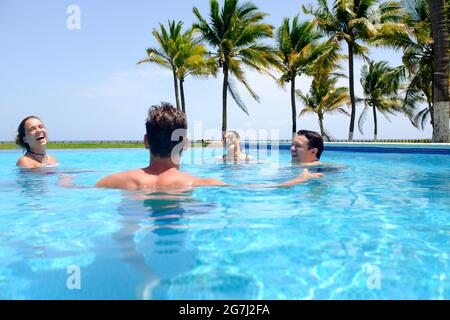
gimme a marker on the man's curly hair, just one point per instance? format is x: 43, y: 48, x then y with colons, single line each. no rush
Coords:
x: 162, y: 122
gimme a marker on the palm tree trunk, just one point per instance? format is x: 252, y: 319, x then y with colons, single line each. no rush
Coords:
x: 352, y: 91
x: 430, y: 107
x: 183, y: 107
x: 322, y: 131
x: 375, y: 124
x: 175, y: 83
x: 224, y: 98
x: 440, y: 75
x: 294, y: 108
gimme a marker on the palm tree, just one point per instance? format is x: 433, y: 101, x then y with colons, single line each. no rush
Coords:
x: 235, y: 30
x: 439, y: 23
x: 296, y: 50
x: 323, y: 96
x: 354, y: 21
x: 380, y: 85
x: 192, y: 60
x: 166, y: 54
x: 416, y: 42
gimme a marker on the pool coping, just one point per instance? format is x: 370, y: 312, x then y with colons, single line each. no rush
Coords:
x: 425, y: 148
x: 380, y: 147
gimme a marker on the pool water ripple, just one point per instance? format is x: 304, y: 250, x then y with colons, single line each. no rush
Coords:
x: 376, y: 229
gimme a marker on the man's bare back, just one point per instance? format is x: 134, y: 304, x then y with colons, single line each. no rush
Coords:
x: 155, y: 179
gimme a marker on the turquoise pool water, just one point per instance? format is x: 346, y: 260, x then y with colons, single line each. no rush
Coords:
x: 378, y: 229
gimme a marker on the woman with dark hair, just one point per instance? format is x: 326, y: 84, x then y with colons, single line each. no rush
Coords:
x: 32, y: 137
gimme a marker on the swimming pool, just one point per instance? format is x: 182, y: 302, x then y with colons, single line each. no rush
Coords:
x: 378, y: 229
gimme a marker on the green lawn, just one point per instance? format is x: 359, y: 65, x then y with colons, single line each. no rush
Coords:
x: 79, y: 145
x: 103, y: 145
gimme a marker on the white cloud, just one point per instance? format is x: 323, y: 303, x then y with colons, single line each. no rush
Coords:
x: 127, y: 83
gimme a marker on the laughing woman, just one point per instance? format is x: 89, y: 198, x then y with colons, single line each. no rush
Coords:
x: 32, y: 136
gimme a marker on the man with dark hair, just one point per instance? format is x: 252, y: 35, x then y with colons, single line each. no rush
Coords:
x: 164, y: 123
x: 307, y: 147
x: 166, y: 136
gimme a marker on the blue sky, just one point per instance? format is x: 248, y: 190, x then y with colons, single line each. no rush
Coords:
x: 85, y: 84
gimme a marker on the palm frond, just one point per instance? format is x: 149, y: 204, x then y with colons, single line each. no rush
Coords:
x: 362, y: 118
x: 236, y: 97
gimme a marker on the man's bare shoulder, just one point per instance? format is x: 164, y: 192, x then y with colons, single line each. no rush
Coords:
x: 175, y: 180
x: 128, y: 180
x: 178, y: 180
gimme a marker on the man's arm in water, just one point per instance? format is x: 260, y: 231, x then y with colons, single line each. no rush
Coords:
x: 113, y: 181
x: 65, y: 181
x: 306, y: 175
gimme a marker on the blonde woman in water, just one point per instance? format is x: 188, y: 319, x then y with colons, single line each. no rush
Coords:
x: 233, y: 151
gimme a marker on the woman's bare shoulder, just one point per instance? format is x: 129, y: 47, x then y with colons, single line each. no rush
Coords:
x: 26, y: 162
x: 52, y: 159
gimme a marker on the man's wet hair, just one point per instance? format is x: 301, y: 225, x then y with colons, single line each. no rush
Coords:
x: 315, y: 140
x: 162, y: 122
